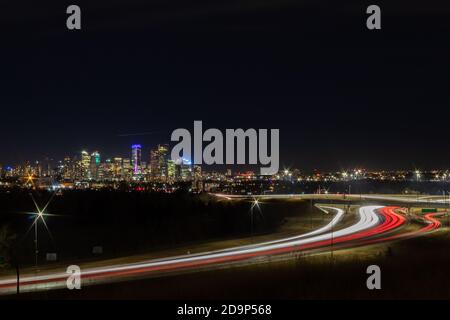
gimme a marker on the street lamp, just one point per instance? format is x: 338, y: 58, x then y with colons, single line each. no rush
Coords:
x: 254, y: 204
x: 39, y: 215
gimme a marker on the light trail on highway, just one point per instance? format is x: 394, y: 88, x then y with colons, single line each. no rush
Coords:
x: 373, y: 221
x: 432, y: 224
x: 339, y: 196
x: 332, y: 224
x: 390, y: 221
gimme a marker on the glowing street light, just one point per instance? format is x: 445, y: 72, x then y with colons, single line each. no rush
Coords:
x: 254, y: 204
x: 30, y: 180
x: 39, y: 215
x: 417, y: 175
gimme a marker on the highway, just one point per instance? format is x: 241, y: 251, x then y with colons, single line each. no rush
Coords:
x: 374, y: 224
x: 401, y: 198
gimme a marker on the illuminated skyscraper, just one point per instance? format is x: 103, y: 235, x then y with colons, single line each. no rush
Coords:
x: 184, y: 169
x: 118, y: 169
x: 84, y: 164
x: 127, y: 169
x: 68, y: 169
x: 197, y: 177
x: 94, y: 165
x: 106, y: 171
x: 136, y: 158
x: 171, y: 171
x: 158, y: 162
x: 163, y: 150
x: 154, y: 163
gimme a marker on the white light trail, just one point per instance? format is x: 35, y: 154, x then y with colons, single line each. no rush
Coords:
x: 399, y: 198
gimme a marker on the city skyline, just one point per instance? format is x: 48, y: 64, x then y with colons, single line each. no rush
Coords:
x: 146, y: 158
x: 157, y: 159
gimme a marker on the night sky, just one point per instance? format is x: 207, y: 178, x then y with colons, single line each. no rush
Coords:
x: 341, y: 95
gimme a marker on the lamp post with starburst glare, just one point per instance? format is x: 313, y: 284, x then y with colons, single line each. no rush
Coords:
x: 255, y: 203
x: 39, y: 215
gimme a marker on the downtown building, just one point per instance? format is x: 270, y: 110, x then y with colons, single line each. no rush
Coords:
x: 159, y: 164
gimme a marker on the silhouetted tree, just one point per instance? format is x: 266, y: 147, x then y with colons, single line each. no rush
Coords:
x: 6, y: 240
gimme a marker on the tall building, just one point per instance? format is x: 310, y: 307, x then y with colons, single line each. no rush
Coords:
x: 159, y: 162
x: 171, y: 171
x: 163, y: 150
x: 94, y: 165
x: 184, y: 170
x: 144, y: 169
x: 136, y: 158
x: 68, y: 169
x: 117, y: 168
x: 8, y: 172
x: 106, y: 171
x: 46, y: 167
x: 127, y: 169
x: 154, y: 163
x: 85, y: 163
x: 197, y: 177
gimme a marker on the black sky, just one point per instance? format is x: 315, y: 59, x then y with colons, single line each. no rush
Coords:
x: 340, y: 94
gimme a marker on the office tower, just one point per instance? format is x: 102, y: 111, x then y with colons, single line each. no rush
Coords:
x: 184, y: 168
x: 171, y: 171
x: 197, y: 177
x: 106, y: 171
x: 163, y: 150
x: 117, y: 168
x: 46, y: 167
x: 144, y: 169
x: 68, y: 169
x: 85, y: 163
x: 9, y: 172
x: 154, y: 163
x: 127, y: 169
x: 197, y: 172
x: 136, y: 158
x: 94, y: 165
x: 158, y: 162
